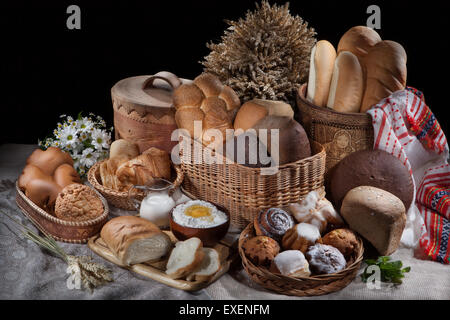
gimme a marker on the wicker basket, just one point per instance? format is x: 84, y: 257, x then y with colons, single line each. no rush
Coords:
x: 117, y: 198
x: 61, y: 230
x: 304, y: 286
x: 340, y: 133
x: 245, y: 191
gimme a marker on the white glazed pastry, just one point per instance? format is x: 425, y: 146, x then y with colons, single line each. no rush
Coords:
x: 291, y: 263
x: 316, y: 211
x: 301, y: 237
x: 325, y: 259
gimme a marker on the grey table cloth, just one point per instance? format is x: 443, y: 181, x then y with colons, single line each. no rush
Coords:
x: 28, y: 272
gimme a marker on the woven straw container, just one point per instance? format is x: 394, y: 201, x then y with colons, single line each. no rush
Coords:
x: 61, y: 230
x: 244, y: 191
x: 122, y: 199
x: 340, y: 133
x: 302, y: 286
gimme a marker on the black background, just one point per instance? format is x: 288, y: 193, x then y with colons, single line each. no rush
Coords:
x: 50, y: 70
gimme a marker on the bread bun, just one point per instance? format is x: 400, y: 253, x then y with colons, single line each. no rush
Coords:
x: 206, y: 100
x: 135, y: 240
x: 385, y: 72
x: 261, y: 250
x: 255, y: 110
x: 375, y: 168
x: 122, y: 148
x: 342, y: 239
x: 377, y: 215
x: 49, y: 159
x: 347, y: 84
x: 32, y: 172
x: 323, y: 56
x: 65, y: 174
x: 325, y: 259
x: 43, y: 193
x: 301, y: 237
x: 273, y: 223
x: 358, y: 40
x: 77, y: 202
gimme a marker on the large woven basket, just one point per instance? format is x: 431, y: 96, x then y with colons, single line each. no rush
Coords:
x: 244, y: 191
x: 302, y: 286
x: 121, y: 199
x: 61, y: 230
x: 340, y: 133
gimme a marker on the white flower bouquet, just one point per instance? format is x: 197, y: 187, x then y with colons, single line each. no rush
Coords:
x: 86, y: 139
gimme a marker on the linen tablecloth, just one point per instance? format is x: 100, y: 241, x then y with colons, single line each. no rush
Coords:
x: 28, y: 272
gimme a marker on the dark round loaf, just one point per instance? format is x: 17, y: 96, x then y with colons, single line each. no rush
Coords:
x: 374, y: 168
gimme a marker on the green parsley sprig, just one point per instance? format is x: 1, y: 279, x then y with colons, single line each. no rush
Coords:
x: 390, y: 271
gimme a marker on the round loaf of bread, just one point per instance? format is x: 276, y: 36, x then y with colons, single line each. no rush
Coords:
x: 374, y: 168
x: 78, y: 202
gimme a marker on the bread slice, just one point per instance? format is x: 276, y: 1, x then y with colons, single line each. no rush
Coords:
x: 185, y: 258
x: 208, y: 267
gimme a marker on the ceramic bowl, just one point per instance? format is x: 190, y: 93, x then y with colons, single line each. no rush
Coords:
x: 209, y: 236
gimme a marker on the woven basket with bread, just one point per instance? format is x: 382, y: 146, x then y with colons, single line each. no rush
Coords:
x: 236, y: 182
x: 125, y: 168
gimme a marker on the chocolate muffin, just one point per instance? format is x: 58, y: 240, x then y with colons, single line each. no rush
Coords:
x: 375, y: 168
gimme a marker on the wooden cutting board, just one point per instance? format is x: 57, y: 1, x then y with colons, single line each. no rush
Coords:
x: 228, y: 254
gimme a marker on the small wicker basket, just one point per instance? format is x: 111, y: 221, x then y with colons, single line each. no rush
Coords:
x: 61, y: 230
x: 244, y: 191
x: 121, y: 199
x: 302, y: 286
x: 340, y: 133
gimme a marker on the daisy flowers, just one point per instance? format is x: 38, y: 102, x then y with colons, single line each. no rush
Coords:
x: 86, y: 139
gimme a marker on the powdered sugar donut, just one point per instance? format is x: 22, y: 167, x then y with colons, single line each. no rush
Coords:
x: 325, y: 259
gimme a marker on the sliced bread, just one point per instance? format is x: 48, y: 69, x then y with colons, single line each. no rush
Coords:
x: 185, y: 258
x: 208, y: 267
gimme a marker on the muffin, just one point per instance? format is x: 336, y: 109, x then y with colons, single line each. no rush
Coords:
x: 261, y: 250
x: 325, y: 259
x: 77, y: 202
x: 342, y: 239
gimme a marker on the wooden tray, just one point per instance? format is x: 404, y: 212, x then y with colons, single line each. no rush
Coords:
x: 227, y: 252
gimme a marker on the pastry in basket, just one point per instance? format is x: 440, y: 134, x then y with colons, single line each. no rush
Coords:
x: 261, y: 250
x: 325, y: 259
x: 45, y: 175
x: 301, y: 237
x: 377, y: 215
x: 273, y: 222
x: 342, y: 239
x: 125, y: 167
x: 317, y: 211
x: 291, y: 263
x: 208, y: 101
x: 135, y: 240
x: 77, y: 202
x: 185, y: 258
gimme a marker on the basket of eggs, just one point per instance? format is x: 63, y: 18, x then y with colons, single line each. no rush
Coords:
x: 301, y: 250
x: 126, y: 167
x: 50, y: 194
x: 280, y: 167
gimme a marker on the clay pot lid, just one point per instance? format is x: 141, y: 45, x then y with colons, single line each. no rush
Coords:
x: 148, y: 91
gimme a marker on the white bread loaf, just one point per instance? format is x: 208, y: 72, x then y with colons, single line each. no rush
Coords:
x: 135, y: 240
x: 321, y: 66
x: 347, y: 84
x: 209, y: 266
x: 255, y: 110
x: 358, y: 40
x: 122, y: 148
x: 385, y: 72
x: 377, y: 215
x: 185, y: 258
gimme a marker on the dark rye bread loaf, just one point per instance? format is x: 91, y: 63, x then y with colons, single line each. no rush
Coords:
x: 374, y: 168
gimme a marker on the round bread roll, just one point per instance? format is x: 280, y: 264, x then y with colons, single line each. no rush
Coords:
x: 374, y: 168
x: 385, y: 72
x: 323, y: 56
x: 65, y: 174
x: 358, y: 40
x: 209, y: 101
x: 32, y: 172
x: 78, y: 202
x: 49, y: 159
x: 347, y: 84
x: 122, y: 148
x: 43, y: 193
x: 273, y: 222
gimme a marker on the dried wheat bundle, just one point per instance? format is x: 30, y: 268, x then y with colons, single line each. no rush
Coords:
x: 266, y: 55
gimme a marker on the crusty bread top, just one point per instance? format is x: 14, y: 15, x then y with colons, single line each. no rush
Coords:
x: 209, y: 84
x: 118, y: 233
x: 122, y: 148
x: 188, y: 95
x: 49, y: 159
x: 358, y: 40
